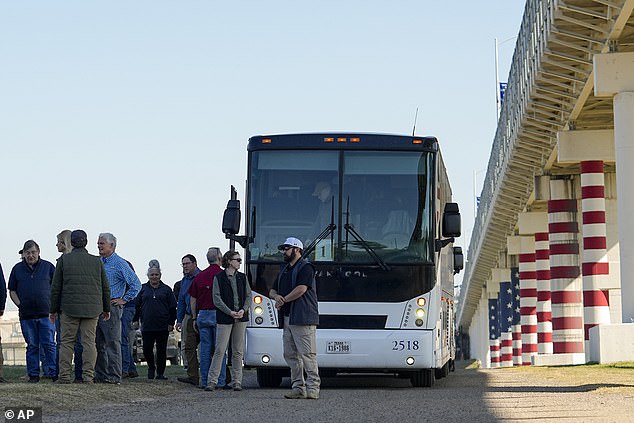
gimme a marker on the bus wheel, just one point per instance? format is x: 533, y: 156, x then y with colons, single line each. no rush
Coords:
x: 423, y: 378
x: 269, y: 378
x: 443, y: 371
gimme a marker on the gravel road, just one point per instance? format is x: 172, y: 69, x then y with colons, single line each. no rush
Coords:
x: 466, y: 395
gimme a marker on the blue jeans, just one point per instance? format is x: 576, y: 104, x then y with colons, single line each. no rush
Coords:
x: 39, y: 332
x: 206, y: 322
x: 127, y: 361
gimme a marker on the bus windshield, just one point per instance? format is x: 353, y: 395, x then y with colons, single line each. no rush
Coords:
x: 377, y: 204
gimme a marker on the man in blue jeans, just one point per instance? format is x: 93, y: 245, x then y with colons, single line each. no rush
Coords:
x: 204, y: 313
x: 128, y: 338
x: 30, y: 290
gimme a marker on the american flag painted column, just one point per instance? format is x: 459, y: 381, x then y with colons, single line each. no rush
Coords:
x: 506, y: 318
x: 516, y: 326
x: 566, y: 298
x: 595, y: 267
x: 544, y: 310
x: 528, y: 298
x: 494, y: 331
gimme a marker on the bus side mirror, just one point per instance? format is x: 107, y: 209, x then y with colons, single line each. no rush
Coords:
x: 231, y: 218
x: 451, y: 221
x: 458, y: 260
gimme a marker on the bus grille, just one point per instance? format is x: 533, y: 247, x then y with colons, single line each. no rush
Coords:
x: 334, y: 321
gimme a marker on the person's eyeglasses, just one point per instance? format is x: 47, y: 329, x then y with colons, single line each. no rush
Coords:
x: 239, y: 260
x: 286, y: 248
x: 185, y: 264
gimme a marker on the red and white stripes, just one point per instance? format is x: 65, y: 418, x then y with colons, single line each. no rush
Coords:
x: 566, y: 298
x: 544, y: 310
x: 506, y: 349
x: 517, y: 345
x: 528, y: 299
x: 595, y: 265
x: 494, y: 348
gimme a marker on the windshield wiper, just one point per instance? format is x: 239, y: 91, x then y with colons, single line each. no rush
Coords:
x: 350, y: 230
x: 328, y: 230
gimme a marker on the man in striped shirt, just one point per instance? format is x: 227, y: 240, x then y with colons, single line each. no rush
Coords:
x: 124, y: 287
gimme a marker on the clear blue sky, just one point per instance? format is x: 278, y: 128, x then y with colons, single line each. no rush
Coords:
x: 132, y: 117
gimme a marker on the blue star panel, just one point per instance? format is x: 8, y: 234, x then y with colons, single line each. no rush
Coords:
x: 494, y: 319
x: 506, y: 306
x: 515, y: 288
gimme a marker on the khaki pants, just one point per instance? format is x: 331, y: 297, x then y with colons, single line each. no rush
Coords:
x: 236, y: 332
x: 300, y: 353
x: 87, y: 330
x: 191, y: 347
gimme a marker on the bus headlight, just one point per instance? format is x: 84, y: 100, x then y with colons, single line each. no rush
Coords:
x: 410, y: 361
x: 258, y: 310
x: 257, y: 299
x: 420, y: 313
x: 419, y: 322
x: 259, y: 320
x: 421, y: 302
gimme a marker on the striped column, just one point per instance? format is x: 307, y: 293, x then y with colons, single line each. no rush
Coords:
x: 528, y: 299
x: 506, y: 319
x: 566, y: 298
x: 516, y: 329
x: 595, y: 267
x: 494, y: 331
x: 544, y: 310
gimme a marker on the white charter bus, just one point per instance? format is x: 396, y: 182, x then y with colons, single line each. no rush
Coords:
x: 375, y: 215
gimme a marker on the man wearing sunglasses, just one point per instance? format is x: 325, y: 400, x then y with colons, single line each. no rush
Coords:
x: 295, y: 298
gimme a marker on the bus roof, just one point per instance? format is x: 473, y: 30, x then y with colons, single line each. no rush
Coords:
x: 341, y: 141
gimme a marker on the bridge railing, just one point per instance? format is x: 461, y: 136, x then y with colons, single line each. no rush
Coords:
x: 529, y: 48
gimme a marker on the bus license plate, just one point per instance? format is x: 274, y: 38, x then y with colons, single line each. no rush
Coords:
x: 338, y: 347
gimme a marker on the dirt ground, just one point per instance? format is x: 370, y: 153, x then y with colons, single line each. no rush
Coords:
x: 571, y: 393
x: 576, y: 393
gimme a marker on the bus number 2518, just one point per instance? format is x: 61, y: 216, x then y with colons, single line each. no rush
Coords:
x: 404, y: 345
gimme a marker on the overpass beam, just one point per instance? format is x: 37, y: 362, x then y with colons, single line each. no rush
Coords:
x: 614, y: 77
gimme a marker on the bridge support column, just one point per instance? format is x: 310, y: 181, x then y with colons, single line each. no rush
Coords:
x: 595, y: 267
x: 544, y: 308
x: 528, y: 298
x: 493, y: 289
x: 505, y: 307
x: 537, y: 223
x: 514, y: 250
x: 566, y: 285
x: 614, y: 77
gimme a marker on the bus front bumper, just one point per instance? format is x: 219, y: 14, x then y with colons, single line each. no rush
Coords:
x: 380, y: 350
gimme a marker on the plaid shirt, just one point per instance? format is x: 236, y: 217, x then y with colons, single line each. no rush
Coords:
x: 124, y: 283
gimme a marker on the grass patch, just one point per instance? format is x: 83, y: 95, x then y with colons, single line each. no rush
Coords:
x: 54, y: 398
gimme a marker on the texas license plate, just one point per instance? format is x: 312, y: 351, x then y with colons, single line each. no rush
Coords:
x: 338, y: 347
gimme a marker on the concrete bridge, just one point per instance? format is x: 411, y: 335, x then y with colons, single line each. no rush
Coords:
x: 548, y: 278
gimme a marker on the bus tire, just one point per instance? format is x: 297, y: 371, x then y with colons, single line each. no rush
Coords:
x: 269, y: 378
x: 443, y: 371
x: 422, y: 378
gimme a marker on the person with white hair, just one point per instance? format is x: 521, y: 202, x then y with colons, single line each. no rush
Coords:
x: 124, y: 287
x: 204, y: 315
x: 156, y: 309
